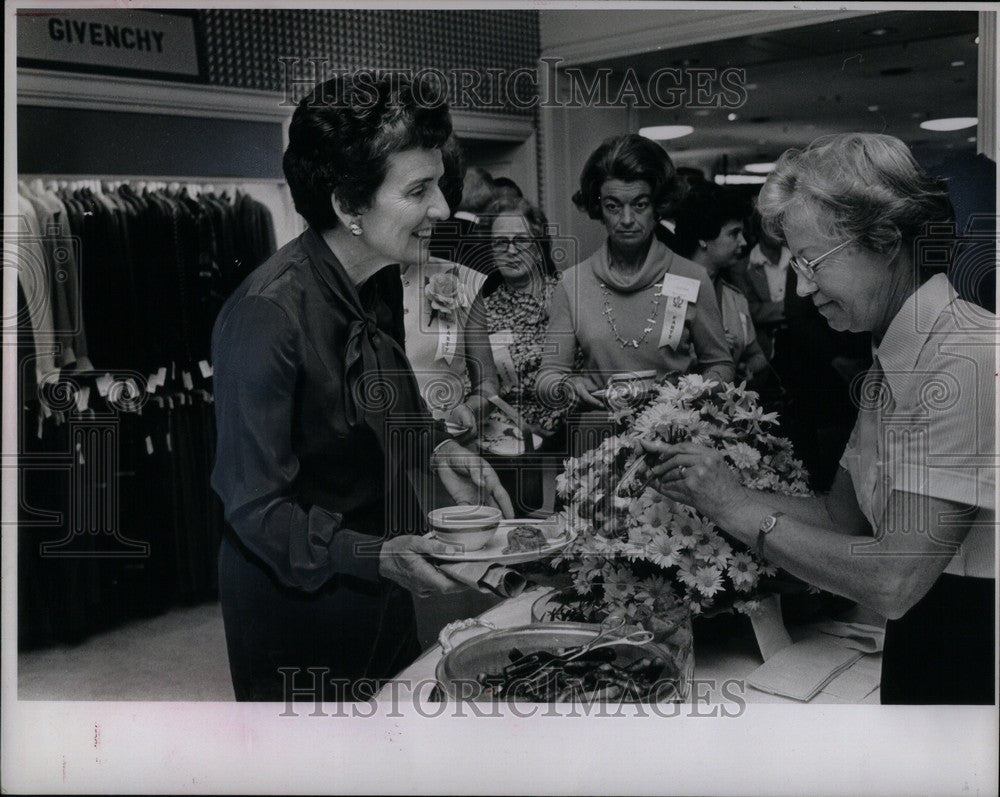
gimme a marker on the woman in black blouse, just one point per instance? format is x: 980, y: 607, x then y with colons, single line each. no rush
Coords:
x: 325, y: 450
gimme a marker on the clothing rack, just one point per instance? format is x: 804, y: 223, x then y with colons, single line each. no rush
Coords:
x: 125, y: 523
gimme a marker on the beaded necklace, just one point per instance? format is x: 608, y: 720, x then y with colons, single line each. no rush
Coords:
x: 651, y: 321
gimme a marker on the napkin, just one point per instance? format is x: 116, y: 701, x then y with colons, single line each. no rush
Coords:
x: 859, y: 636
x: 800, y: 671
x: 487, y: 577
x: 769, y: 627
x: 861, y: 629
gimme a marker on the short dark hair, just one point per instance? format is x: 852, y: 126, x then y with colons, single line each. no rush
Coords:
x: 451, y: 182
x: 477, y: 190
x: 343, y: 132
x: 630, y: 157
x: 703, y: 212
x: 506, y: 182
x: 537, y: 224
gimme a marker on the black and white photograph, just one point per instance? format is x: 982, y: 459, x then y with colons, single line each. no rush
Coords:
x: 535, y: 398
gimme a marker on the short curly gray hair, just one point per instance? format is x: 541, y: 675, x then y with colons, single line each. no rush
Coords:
x: 870, y: 185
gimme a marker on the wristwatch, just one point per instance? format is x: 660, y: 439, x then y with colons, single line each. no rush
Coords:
x: 766, y: 527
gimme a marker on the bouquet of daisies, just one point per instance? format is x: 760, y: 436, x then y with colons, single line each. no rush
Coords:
x: 639, y: 553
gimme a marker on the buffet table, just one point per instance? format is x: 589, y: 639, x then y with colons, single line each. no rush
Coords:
x: 717, y: 661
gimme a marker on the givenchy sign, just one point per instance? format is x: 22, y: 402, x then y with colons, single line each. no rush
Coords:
x: 140, y: 43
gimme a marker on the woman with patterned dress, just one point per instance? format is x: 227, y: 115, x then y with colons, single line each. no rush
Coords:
x: 504, y: 343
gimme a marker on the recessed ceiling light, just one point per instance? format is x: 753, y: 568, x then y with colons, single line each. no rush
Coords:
x: 954, y: 123
x: 702, y: 112
x: 759, y: 168
x: 750, y: 86
x: 971, y: 139
x: 873, y: 108
x: 740, y: 179
x: 958, y: 63
x: 666, y: 132
x: 879, y: 31
x: 975, y: 40
x: 732, y: 117
x: 916, y: 114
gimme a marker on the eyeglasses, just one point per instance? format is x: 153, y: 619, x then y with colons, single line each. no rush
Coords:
x: 807, y: 268
x: 520, y: 243
x: 613, y: 207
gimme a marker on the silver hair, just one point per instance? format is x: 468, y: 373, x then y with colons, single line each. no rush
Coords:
x: 869, y: 184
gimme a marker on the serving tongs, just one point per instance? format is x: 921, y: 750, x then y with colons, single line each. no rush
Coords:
x: 604, y: 639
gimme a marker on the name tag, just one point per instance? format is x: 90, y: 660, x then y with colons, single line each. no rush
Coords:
x: 500, y: 343
x: 677, y: 292
x: 684, y: 287
x: 447, y: 340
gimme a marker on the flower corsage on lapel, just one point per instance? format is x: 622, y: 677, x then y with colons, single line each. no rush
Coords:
x: 447, y: 298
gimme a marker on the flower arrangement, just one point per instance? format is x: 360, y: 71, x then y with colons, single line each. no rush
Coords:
x: 639, y: 553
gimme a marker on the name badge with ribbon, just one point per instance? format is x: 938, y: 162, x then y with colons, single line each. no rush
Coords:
x: 500, y: 343
x: 447, y: 339
x: 678, y: 292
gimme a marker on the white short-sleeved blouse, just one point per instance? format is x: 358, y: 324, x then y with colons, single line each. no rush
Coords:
x: 926, y: 421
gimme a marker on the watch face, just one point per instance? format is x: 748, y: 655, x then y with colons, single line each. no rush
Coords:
x: 768, y: 523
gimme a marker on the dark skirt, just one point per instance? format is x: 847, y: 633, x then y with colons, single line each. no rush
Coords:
x: 354, y: 634
x: 941, y: 652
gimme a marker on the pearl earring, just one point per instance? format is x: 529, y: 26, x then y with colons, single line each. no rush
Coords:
x: 355, y: 228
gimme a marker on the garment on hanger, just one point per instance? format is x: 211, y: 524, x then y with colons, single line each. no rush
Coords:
x: 119, y: 285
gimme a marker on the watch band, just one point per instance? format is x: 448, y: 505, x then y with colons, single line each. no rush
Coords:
x: 766, y: 527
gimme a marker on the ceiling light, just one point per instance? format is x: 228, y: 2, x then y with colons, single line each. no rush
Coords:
x: 873, y: 108
x: 879, y: 31
x: 944, y: 125
x: 740, y: 179
x: 971, y: 139
x: 759, y: 168
x: 702, y: 112
x: 975, y: 40
x: 750, y: 86
x: 958, y: 63
x: 665, y: 132
x: 732, y: 117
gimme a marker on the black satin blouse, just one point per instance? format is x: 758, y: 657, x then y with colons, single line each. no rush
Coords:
x: 323, y: 440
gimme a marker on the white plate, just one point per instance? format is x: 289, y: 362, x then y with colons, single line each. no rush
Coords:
x: 493, y: 551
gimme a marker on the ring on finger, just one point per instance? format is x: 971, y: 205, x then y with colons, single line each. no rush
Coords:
x: 683, y: 471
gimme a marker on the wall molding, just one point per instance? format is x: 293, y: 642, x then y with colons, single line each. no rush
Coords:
x: 668, y: 35
x: 135, y: 95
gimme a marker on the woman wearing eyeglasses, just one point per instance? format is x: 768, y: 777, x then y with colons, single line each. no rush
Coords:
x: 633, y: 305
x: 505, y: 336
x: 907, y: 528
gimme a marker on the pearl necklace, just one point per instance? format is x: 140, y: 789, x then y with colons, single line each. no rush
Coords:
x: 651, y: 321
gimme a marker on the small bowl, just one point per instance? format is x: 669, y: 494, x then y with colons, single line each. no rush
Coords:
x: 468, y: 526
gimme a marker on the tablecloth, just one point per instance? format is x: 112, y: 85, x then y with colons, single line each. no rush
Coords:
x: 720, y: 669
